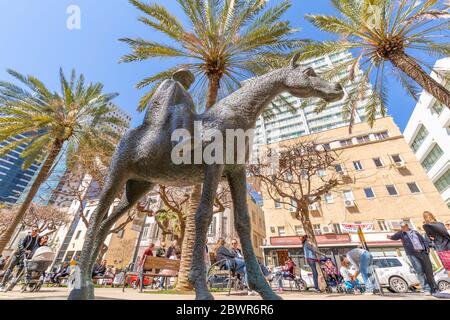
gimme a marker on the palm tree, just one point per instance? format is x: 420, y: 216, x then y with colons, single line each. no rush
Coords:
x: 384, y: 34
x: 225, y: 42
x: 44, y: 122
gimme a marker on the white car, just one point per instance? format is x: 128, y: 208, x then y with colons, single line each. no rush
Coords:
x: 442, y: 279
x: 394, y: 273
x: 303, y: 279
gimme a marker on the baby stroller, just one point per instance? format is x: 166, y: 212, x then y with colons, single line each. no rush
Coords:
x: 33, y: 273
x: 333, y: 279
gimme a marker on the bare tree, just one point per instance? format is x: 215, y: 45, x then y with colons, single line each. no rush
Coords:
x: 298, y: 176
x: 47, y: 218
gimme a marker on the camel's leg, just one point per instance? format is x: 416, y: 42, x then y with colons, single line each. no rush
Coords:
x: 203, y: 218
x: 238, y: 188
x: 135, y: 190
x: 112, y: 187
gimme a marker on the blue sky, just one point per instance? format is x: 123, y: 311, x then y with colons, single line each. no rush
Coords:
x: 35, y: 40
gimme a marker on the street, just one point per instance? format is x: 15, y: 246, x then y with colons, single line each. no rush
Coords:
x: 131, y: 294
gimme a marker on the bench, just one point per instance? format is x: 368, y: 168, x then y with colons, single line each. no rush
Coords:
x: 148, y: 268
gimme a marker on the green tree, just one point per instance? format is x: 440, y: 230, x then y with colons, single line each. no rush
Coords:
x: 384, y: 34
x: 224, y: 42
x: 45, y: 122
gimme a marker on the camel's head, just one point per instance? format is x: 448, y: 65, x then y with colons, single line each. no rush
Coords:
x: 304, y: 83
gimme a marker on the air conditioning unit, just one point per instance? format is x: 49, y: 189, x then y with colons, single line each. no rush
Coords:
x: 349, y: 203
x: 313, y: 207
x: 400, y: 165
x: 327, y: 230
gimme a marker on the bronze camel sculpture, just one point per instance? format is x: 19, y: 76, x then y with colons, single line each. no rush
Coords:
x: 143, y: 159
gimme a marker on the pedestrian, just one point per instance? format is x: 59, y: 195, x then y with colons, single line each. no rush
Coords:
x: 438, y: 233
x: 362, y: 261
x: 147, y: 253
x: 349, y: 281
x: 161, y: 251
x: 23, y: 250
x: 206, y: 257
x: 287, y: 271
x: 417, y: 250
x: 173, y: 247
x: 166, y: 273
x: 311, y: 259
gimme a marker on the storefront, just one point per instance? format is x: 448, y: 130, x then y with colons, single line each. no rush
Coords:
x: 333, y: 246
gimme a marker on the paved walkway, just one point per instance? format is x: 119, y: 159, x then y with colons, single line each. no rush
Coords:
x: 131, y: 294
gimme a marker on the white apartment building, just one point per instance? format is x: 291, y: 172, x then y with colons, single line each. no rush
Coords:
x: 428, y: 134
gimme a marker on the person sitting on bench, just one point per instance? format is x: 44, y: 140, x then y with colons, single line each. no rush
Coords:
x: 62, y: 272
x: 99, y: 269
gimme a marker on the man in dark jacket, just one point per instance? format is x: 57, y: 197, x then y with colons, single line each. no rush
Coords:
x: 417, y: 249
x: 99, y: 269
x: 24, y: 249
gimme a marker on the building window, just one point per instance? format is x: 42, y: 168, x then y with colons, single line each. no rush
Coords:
x: 277, y: 204
x: 337, y: 228
x: 339, y: 168
x: 432, y: 157
x: 121, y: 233
x: 78, y: 235
x: 369, y: 193
x: 443, y: 182
x: 358, y: 165
x: 378, y: 163
x: 391, y: 190
x: 348, y: 195
x: 437, y: 107
x: 397, y: 159
x: 212, y: 227
x: 329, y: 198
x: 363, y: 139
x: 145, y: 231
x: 382, y: 225
x: 281, y: 231
x: 419, y: 139
x: 272, y: 229
x: 299, y: 231
x: 326, y: 147
x: 346, y: 143
x: 321, y: 172
x: 317, y: 229
x: 413, y: 187
x: 382, y: 135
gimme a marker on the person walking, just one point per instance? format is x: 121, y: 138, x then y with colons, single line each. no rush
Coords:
x: 438, y: 233
x: 311, y: 259
x: 417, y: 250
x: 24, y: 249
x: 362, y: 261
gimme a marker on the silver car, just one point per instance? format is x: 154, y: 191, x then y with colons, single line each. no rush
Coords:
x: 442, y: 279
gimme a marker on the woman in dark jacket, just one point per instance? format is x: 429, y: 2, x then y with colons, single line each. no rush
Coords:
x: 437, y: 232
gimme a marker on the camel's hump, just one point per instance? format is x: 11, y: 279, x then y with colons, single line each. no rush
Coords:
x: 166, y: 101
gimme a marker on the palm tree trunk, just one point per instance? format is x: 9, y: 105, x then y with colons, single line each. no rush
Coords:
x: 309, y: 231
x: 183, y: 283
x: 407, y: 64
x: 41, y: 177
x: 194, y: 201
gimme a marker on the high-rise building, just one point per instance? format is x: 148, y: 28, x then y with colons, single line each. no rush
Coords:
x: 383, y: 184
x: 291, y: 119
x: 428, y: 134
x: 14, y: 180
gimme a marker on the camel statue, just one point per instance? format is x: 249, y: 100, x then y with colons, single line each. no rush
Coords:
x: 143, y: 160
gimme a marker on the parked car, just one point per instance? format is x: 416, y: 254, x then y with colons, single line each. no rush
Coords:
x: 442, y: 279
x: 395, y: 274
